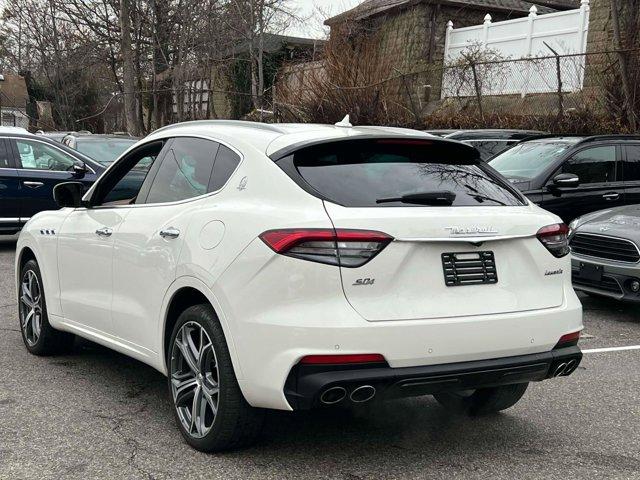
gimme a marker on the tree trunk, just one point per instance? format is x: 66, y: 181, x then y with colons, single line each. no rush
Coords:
x: 624, y: 70
x: 128, y: 68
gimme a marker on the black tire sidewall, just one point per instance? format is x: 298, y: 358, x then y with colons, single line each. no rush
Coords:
x: 204, y: 316
x: 41, y: 346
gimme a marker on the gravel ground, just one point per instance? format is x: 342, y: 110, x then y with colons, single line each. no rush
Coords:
x: 98, y: 414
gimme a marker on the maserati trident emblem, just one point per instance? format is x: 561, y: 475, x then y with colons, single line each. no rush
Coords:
x: 473, y: 231
x: 243, y: 183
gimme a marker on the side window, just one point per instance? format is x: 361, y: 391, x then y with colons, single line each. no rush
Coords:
x: 185, y: 171
x: 226, y: 162
x: 122, y: 184
x: 593, y: 165
x: 41, y: 156
x: 631, y: 166
x: 5, y: 160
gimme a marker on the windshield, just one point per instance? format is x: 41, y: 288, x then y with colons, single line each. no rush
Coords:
x: 387, y: 173
x: 529, y: 159
x: 104, y: 150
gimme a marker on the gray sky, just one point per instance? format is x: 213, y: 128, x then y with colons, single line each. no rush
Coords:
x: 313, y: 28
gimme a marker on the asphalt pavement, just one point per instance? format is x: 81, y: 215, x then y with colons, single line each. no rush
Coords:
x: 98, y: 414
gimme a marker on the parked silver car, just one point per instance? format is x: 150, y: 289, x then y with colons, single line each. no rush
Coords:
x: 605, y: 254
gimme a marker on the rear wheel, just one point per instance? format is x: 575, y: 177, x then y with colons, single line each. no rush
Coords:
x: 210, y: 409
x: 482, y: 401
x: 38, y: 335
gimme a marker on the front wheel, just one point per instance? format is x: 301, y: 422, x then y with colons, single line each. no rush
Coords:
x: 38, y: 335
x: 482, y: 401
x: 209, y: 407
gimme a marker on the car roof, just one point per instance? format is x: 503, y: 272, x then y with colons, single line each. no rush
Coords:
x: 502, y: 134
x: 278, y: 137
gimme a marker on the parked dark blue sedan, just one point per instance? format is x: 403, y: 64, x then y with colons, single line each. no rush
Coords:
x: 30, y: 166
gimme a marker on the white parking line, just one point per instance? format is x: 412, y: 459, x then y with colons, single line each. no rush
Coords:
x: 611, y: 349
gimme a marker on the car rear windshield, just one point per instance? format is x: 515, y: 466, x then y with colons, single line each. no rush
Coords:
x: 392, y: 172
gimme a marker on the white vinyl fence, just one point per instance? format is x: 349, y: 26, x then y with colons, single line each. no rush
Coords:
x: 522, y: 38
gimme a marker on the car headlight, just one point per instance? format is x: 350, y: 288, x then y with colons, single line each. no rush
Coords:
x: 572, y: 226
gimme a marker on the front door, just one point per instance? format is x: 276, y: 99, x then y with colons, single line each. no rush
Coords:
x: 41, y: 167
x: 85, y: 265
x: 9, y: 191
x: 600, y: 185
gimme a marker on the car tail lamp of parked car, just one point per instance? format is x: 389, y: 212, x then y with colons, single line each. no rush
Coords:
x: 347, y: 248
x: 555, y: 239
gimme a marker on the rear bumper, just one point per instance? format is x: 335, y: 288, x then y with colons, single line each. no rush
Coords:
x: 306, y: 384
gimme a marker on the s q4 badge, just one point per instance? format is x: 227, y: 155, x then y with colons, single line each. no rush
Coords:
x: 364, y: 282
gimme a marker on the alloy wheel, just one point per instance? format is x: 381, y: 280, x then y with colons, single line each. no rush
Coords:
x: 194, y: 379
x: 31, y: 307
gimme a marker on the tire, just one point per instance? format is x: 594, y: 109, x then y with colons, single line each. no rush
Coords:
x: 201, y: 379
x: 38, y: 335
x: 482, y: 401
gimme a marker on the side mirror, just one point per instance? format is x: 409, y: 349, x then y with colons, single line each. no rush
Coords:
x: 567, y: 180
x: 68, y: 194
x: 79, y: 170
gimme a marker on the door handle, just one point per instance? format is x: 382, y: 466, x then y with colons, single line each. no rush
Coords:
x: 33, y: 184
x: 170, y: 233
x: 104, y: 232
x: 611, y: 196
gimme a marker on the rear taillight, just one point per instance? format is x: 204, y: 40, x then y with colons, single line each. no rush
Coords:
x: 554, y: 238
x: 347, y: 248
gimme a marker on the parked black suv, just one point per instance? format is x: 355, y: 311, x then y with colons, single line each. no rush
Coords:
x: 571, y: 176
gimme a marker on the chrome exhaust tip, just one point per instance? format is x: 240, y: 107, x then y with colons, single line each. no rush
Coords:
x: 333, y: 395
x: 571, y: 366
x: 362, y: 394
x: 559, y: 369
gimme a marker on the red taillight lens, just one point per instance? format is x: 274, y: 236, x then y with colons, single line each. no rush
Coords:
x: 342, y: 359
x: 554, y: 238
x: 347, y: 248
x: 568, y: 340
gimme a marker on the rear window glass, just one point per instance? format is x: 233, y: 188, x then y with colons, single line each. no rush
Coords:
x: 383, y: 173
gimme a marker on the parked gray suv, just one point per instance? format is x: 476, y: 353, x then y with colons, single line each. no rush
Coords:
x: 605, y: 254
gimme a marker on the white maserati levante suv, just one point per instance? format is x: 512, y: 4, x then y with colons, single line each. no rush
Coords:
x: 295, y: 266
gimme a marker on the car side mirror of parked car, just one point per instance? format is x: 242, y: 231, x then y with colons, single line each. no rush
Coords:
x: 79, y: 170
x: 68, y: 194
x: 567, y: 180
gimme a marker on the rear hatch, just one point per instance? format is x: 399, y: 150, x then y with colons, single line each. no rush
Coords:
x: 464, y: 241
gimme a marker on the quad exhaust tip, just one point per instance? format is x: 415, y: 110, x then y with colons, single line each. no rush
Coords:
x: 362, y: 394
x: 333, y: 395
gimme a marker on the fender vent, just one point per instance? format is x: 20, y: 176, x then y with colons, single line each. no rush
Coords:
x: 469, y: 268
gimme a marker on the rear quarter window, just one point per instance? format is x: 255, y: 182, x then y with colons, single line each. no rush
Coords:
x: 379, y: 173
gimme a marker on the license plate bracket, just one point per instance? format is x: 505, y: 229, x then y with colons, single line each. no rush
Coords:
x: 591, y: 272
x: 469, y: 268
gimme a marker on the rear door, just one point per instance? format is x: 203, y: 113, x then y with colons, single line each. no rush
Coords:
x: 9, y: 191
x: 631, y: 173
x: 483, y: 228
x: 600, y: 186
